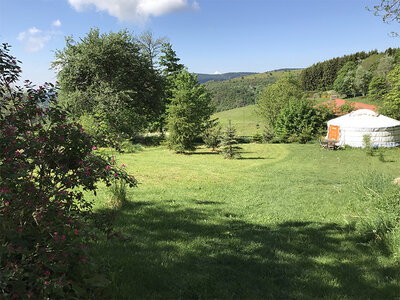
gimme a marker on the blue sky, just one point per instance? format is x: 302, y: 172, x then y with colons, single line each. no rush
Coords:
x: 208, y: 35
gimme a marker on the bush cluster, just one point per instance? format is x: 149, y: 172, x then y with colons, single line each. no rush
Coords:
x: 46, y: 163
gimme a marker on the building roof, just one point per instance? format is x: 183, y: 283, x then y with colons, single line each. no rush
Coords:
x: 337, y: 103
x: 364, y: 119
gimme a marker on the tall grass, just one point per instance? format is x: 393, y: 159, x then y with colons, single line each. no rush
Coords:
x: 380, y: 207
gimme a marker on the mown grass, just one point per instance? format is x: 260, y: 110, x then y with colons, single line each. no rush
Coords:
x: 244, y: 119
x: 272, y: 225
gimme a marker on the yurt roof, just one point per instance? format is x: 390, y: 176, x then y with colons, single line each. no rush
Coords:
x: 364, y: 118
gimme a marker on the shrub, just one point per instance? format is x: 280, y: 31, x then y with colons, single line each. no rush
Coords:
x: 367, y: 144
x: 297, y: 116
x: 46, y: 164
x: 212, y: 135
x: 229, y: 142
x: 257, y: 137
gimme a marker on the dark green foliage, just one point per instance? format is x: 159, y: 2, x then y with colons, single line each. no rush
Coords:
x: 229, y: 143
x: 321, y: 76
x: 212, y: 135
x: 257, y: 137
x: 188, y: 112
x: 169, y: 61
x: 377, y: 88
x: 391, y: 99
x: 345, y: 80
x: 297, y: 121
x: 107, y: 74
x: 170, y: 67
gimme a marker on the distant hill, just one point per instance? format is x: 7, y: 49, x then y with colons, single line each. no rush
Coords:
x: 242, y: 91
x: 202, y: 78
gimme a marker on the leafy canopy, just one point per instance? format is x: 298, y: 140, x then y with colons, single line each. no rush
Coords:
x: 274, y: 97
x: 108, y: 74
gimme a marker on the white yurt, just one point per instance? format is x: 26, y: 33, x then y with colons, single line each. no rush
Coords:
x: 350, y: 129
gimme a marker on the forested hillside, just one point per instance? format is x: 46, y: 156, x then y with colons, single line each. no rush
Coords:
x: 241, y: 91
x: 321, y: 76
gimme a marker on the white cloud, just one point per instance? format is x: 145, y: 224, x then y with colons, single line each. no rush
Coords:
x: 34, y: 30
x: 217, y: 73
x: 135, y: 10
x: 21, y: 36
x: 36, y: 43
x: 56, y: 23
x: 36, y: 39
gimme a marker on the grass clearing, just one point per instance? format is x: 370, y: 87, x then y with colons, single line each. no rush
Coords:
x: 244, y: 119
x: 269, y: 225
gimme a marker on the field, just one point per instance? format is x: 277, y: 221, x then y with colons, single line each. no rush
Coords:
x: 275, y: 224
x: 244, y: 119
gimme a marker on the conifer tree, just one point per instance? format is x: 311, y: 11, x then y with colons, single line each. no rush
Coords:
x: 229, y: 143
x: 188, y: 113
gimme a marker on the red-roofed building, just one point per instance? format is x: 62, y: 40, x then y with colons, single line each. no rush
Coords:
x: 337, y: 103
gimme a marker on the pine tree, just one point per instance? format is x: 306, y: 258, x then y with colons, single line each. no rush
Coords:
x: 188, y: 113
x: 229, y: 143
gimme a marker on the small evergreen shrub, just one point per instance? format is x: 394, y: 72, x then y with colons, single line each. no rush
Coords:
x: 229, y: 143
x: 257, y: 137
x: 212, y: 135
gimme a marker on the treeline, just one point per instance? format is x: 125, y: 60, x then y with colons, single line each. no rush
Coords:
x: 241, y: 91
x: 321, y: 76
x: 118, y: 85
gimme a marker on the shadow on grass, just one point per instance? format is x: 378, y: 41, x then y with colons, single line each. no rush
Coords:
x: 244, y: 158
x: 202, y: 153
x: 209, y: 253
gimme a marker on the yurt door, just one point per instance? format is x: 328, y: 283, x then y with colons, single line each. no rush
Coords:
x: 333, y: 133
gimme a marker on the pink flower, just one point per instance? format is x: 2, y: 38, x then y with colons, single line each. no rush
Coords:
x: 47, y: 273
x: 76, y: 231
x: 62, y: 138
x: 115, y: 175
x: 5, y: 190
x: 11, y: 248
x: 123, y: 166
x: 108, y: 167
x: 19, y: 229
x: 46, y: 282
x: 83, y: 259
x: 94, y: 148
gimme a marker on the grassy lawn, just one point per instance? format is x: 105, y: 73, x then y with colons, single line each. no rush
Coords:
x: 271, y: 225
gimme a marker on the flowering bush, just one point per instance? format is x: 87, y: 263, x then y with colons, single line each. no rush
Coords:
x: 46, y: 163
